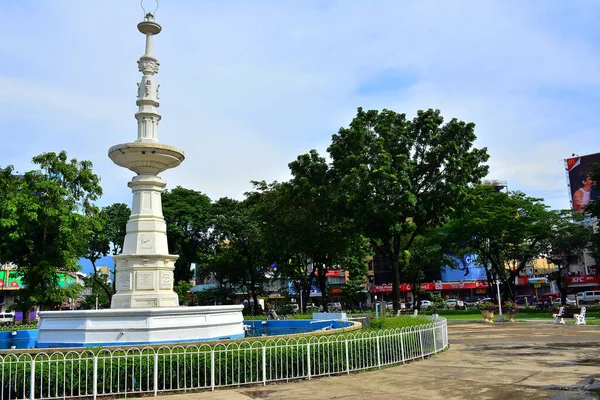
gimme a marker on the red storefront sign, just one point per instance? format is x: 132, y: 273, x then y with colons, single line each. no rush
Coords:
x: 583, y: 280
x: 522, y: 280
x: 430, y: 286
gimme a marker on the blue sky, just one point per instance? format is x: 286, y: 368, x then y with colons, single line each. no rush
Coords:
x: 246, y: 86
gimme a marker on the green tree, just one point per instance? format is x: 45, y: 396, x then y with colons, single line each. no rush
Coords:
x: 108, y: 234
x: 353, y: 261
x: 239, y: 227
x: 46, y: 223
x: 182, y: 288
x: 507, y: 231
x: 569, y: 241
x: 283, y: 228
x: 398, y: 177
x: 97, y: 284
x: 188, y: 217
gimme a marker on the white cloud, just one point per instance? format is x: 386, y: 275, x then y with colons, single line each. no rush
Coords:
x: 247, y: 86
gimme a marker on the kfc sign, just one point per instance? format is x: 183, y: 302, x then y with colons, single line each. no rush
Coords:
x: 583, y: 280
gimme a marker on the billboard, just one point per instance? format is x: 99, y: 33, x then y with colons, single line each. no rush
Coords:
x: 582, y: 189
x: 466, y: 269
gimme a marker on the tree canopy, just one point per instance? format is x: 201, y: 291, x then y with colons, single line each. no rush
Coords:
x: 399, y: 177
x: 46, y: 222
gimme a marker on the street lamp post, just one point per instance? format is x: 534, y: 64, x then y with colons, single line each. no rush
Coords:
x: 500, y: 316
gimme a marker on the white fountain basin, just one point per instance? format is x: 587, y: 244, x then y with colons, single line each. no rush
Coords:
x: 139, y: 326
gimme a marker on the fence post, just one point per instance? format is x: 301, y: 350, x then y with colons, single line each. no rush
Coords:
x: 155, y: 373
x: 32, y: 380
x: 446, y: 334
x: 264, y: 363
x: 347, y: 358
x: 434, y: 342
x: 212, y: 370
x: 421, y: 342
x: 378, y: 353
x: 402, y: 345
x: 308, y: 357
x: 95, y: 377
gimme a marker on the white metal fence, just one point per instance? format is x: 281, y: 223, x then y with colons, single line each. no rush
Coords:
x: 93, y: 373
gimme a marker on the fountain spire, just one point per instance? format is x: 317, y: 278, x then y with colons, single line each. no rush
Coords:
x: 144, y: 309
x: 144, y: 276
x: 147, y: 95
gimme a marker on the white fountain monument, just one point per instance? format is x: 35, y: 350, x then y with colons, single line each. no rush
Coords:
x: 145, y: 309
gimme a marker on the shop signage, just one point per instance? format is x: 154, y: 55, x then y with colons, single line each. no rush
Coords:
x: 406, y: 287
x: 583, y: 280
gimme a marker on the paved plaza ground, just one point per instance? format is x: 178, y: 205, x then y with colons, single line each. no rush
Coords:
x: 485, y: 361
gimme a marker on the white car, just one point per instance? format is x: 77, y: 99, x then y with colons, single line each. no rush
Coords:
x: 455, y: 303
x: 426, y: 304
x: 570, y: 300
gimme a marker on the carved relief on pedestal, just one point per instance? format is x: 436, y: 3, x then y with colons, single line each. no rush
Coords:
x: 148, y: 85
x: 166, y: 280
x: 124, y: 281
x: 144, y: 281
x: 146, y: 243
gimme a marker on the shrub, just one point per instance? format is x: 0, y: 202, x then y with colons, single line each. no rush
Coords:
x: 487, y: 306
x: 398, y: 322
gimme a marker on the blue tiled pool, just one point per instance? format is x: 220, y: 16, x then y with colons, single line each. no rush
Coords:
x: 24, y: 339
x: 287, y: 327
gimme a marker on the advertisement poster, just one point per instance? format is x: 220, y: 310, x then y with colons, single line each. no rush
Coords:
x: 466, y: 269
x: 583, y: 189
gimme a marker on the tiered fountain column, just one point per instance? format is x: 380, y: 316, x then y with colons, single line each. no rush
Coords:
x: 144, y: 271
x: 145, y: 309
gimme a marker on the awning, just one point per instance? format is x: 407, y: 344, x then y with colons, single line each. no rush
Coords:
x: 203, y: 287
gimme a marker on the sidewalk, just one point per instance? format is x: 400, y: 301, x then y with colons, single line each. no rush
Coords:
x: 485, y: 361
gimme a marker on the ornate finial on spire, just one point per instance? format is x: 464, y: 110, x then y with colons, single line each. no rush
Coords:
x: 151, y: 14
x: 147, y: 93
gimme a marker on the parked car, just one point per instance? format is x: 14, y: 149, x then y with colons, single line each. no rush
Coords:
x: 455, y: 303
x: 472, y: 301
x: 590, y: 297
x: 544, y: 300
x: 525, y: 299
x: 7, y: 318
x: 426, y: 304
x: 335, y: 306
x: 570, y: 300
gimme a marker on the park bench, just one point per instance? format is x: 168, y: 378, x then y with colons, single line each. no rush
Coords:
x: 577, y: 313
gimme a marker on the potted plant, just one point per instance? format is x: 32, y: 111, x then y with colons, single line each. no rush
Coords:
x: 487, y: 311
x: 510, y: 309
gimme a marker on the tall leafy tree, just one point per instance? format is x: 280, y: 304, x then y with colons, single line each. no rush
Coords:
x: 508, y: 231
x: 188, y: 216
x: 353, y: 262
x: 108, y: 235
x: 46, y: 223
x: 283, y: 228
x: 239, y: 225
x: 399, y: 177
x: 570, y: 239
